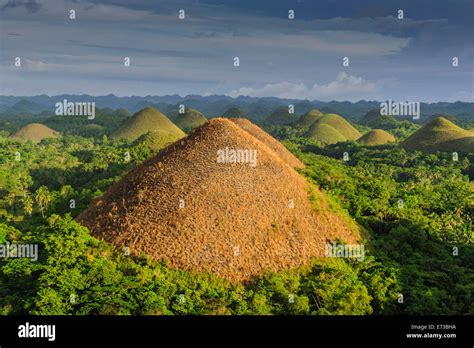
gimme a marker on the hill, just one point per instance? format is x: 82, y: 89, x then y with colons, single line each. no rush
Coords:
x: 34, y: 132
x: 268, y: 140
x: 331, y: 129
x: 376, y: 137
x: 374, y: 119
x: 157, y: 140
x: 189, y: 120
x: 144, y: 121
x: 310, y: 117
x: 233, y: 112
x: 281, y: 116
x: 204, y: 209
x: 440, y: 134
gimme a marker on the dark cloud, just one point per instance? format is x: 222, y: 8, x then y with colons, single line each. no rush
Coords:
x: 32, y: 6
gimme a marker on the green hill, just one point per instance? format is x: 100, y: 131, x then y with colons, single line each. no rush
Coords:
x: 376, y: 137
x: 144, y: 121
x: 331, y: 129
x: 280, y: 116
x: 34, y: 132
x: 233, y: 112
x: 310, y: 117
x: 189, y: 120
x: 440, y: 134
x: 374, y: 119
x: 157, y: 140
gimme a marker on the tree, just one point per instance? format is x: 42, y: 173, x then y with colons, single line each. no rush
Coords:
x: 42, y: 198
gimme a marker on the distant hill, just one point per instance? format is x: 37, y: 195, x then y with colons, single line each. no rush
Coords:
x: 34, y: 132
x: 281, y: 116
x: 157, y: 140
x: 440, y: 134
x: 189, y: 120
x: 376, y: 137
x: 233, y: 112
x: 310, y: 117
x: 144, y: 121
x: 374, y: 119
x: 331, y: 129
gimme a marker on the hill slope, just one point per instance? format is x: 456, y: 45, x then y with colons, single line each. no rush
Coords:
x: 440, y: 135
x: 310, y: 117
x: 34, y: 132
x: 376, y: 137
x: 189, y: 120
x: 230, y: 219
x: 332, y: 128
x: 144, y: 121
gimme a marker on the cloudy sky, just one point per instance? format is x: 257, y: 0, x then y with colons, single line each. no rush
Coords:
x: 389, y: 58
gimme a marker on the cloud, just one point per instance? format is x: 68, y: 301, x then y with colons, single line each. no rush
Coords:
x: 31, y: 5
x: 464, y: 96
x: 344, y: 87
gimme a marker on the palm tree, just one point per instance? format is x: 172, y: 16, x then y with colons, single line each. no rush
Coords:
x: 28, y: 204
x: 42, y: 197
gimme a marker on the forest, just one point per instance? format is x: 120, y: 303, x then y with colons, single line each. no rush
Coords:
x: 415, y: 209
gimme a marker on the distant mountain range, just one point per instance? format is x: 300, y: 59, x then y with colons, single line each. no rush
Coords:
x: 257, y: 109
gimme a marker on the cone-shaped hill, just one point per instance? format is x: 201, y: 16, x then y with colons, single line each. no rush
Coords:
x: 374, y: 119
x: 201, y: 204
x: 440, y: 135
x: 310, y: 117
x: 189, y: 120
x: 34, y: 132
x: 144, y: 121
x: 331, y: 129
x: 268, y: 140
x: 280, y: 116
x: 233, y: 112
x: 157, y: 140
x: 376, y: 137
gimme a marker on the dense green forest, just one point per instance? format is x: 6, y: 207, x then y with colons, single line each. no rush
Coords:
x: 416, y: 210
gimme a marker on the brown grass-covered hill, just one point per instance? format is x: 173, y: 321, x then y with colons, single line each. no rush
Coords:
x: 376, y: 137
x: 34, y: 132
x: 189, y: 120
x: 331, y: 129
x: 268, y: 140
x: 440, y: 135
x: 144, y: 121
x: 230, y: 219
x: 310, y: 117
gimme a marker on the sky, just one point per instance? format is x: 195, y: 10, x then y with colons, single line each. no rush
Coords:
x: 407, y: 59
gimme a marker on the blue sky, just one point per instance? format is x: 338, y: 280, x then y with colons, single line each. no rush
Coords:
x: 409, y: 59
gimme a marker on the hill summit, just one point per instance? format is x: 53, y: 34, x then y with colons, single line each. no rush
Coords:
x: 331, y: 129
x: 189, y: 120
x: 34, y: 132
x: 310, y: 117
x: 440, y: 134
x: 219, y: 201
x: 144, y: 121
x: 376, y: 137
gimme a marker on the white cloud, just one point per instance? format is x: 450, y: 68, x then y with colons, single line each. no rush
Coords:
x: 464, y: 96
x: 344, y: 87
